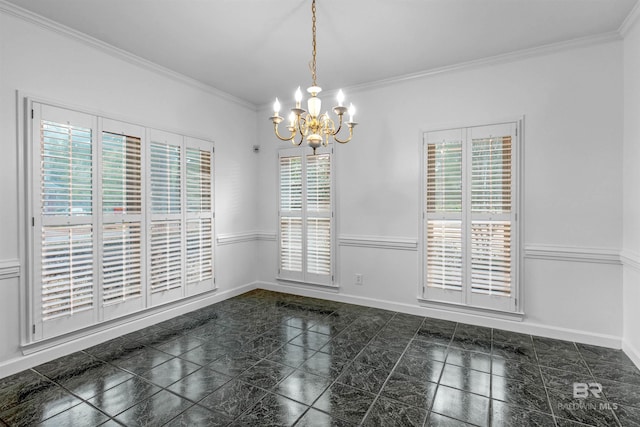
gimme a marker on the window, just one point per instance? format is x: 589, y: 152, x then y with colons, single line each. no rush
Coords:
x: 470, y: 206
x: 305, y: 220
x: 100, y: 248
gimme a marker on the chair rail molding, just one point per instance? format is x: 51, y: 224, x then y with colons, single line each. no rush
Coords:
x: 573, y: 253
x: 379, y: 242
x: 9, y: 268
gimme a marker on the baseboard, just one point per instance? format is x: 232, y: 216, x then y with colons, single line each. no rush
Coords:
x: 632, y: 352
x: 135, y: 323
x: 510, y: 325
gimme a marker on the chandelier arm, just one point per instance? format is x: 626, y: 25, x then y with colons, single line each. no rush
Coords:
x: 344, y: 141
x: 339, y: 126
x: 290, y: 138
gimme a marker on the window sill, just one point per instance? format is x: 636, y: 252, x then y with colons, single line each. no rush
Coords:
x: 517, y: 316
x: 324, y: 286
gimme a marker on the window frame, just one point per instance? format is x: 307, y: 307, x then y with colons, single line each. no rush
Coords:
x: 35, y: 330
x: 305, y: 277
x: 514, y: 308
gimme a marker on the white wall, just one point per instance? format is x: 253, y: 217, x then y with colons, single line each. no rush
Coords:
x: 50, y: 65
x: 631, y: 199
x: 572, y: 102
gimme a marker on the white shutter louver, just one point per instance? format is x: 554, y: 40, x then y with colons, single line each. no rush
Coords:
x: 444, y: 254
x: 444, y: 176
x: 290, y: 184
x: 121, y: 174
x: 198, y: 180
x: 491, y: 257
x: 165, y: 179
x: 166, y: 255
x: 199, y: 250
x: 121, y: 262
x: 67, y: 270
x: 319, y: 246
x: 319, y: 183
x: 291, y: 244
x: 491, y: 175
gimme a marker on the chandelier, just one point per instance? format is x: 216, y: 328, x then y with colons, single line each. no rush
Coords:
x: 317, y: 128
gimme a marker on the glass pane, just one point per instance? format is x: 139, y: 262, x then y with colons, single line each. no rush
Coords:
x: 319, y: 183
x: 66, y: 170
x: 444, y: 176
x: 121, y: 174
x: 290, y: 184
x: 165, y: 179
x: 198, y: 180
x: 491, y: 175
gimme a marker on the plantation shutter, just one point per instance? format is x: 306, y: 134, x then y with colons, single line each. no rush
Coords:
x: 64, y: 228
x: 306, y: 228
x: 318, y: 217
x: 166, y: 253
x: 122, y: 244
x: 443, y: 197
x: 469, y: 219
x: 492, y: 218
x: 290, y: 218
x: 200, y: 232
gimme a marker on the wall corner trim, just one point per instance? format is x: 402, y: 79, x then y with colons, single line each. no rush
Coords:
x: 9, y: 269
x: 630, y: 259
x: 632, y: 352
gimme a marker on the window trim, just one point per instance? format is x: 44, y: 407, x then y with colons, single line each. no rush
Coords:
x: 517, y: 312
x: 305, y: 278
x: 28, y: 210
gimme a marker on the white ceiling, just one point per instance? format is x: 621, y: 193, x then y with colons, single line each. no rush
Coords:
x: 257, y: 49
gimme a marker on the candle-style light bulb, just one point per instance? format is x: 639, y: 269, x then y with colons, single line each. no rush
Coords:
x: 292, y: 118
x: 340, y: 98
x: 276, y: 107
x: 352, y: 112
x: 298, y: 97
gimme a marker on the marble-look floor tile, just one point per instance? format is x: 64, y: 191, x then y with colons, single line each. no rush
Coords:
x: 233, y: 398
x: 523, y: 353
x: 344, y: 402
x: 199, y: 384
x: 592, y: 353
x: 427, y: 350
x: 272, y: 410
x: 234, y: 363
x: 282, y: 332
x: 565, y: 362
x: 620, y: 373
x: 302, y: 386
x: 207, y: 353
x: 463, y: 406
x: 169, y: 372
x: 142, y: 360
x: 378, y: 357
x: 364, y: 376
x: 315, y: 418
x: 291, y: 355
x: 514, y: 370
x: 124, y: 396
x: 397, y: 344
x: 503, y: 414
x: 325, y: 365
x: 312, y: 340
x: 469, y: 359
x: 157, y: 410
x: 265, y: 374
x: 46, y: 403
x: 466, y: 379
x: 409, y: 390
x: 420, y: 368
x: 621, y: 393
x: 197, y: 415
x: 628, y: 416
x: 438, y: 420
x: 79, y: 415
x: 519, y: 393
x: 387, y: 412
x: 262, y: 346
x: 179, y: 345
x: 563, y: 380
x: 508, y: 337
x: 590, y: 411
x: 343, y: 347
x: 23, y: 387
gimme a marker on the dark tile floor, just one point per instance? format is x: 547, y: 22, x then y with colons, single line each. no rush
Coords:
x: 271, y: 359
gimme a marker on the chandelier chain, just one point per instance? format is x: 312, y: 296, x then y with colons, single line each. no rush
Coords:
x: 312, y: 65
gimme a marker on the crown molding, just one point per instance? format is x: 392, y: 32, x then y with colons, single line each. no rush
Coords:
x: 48, y: 24
x: 493, y: 60
x: 630, y: 20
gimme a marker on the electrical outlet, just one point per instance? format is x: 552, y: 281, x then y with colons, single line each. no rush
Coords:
x: 358, y: 279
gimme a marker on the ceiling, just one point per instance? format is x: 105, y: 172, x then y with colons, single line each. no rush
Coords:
x: 257, y: 49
